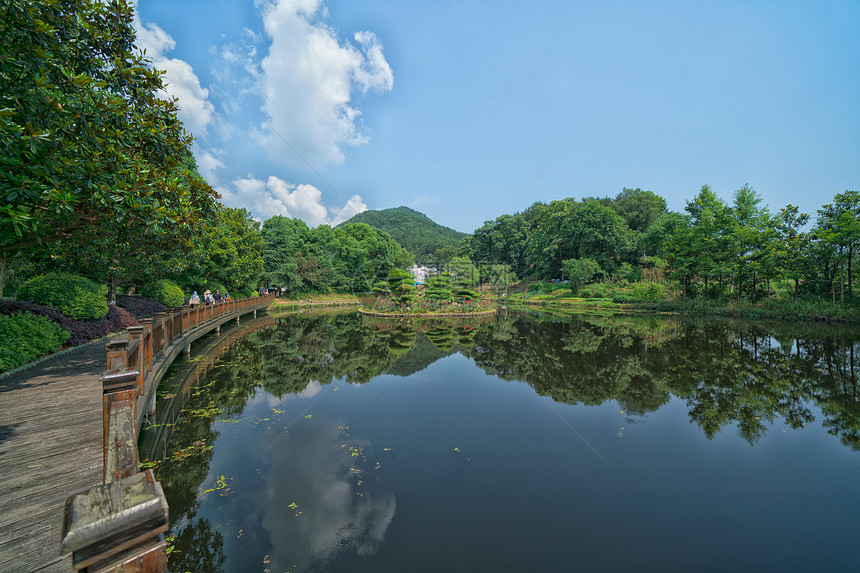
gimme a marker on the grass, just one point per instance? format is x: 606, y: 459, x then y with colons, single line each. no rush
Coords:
x: 315, y: 299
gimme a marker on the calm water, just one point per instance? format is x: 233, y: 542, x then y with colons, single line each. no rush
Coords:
x: 518, y: 443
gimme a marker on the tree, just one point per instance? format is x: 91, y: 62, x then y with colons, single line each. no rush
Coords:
x: 574, y: 230
x: 750, y: 237
x: 640, y: 209
x: 700, y: 248
x: 580, y: 271
x: 400, y: 285
x: 839, y: 230
x: 88, y: 149
x: 463, y: 272
x: 88, y: 146
x: 281, y: 236
x: 229, y: 251
x: 790, y: 243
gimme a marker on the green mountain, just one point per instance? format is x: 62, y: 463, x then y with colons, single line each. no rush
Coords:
x: 415, y: 232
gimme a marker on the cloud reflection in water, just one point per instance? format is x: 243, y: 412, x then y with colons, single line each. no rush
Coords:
x: 323, y: 472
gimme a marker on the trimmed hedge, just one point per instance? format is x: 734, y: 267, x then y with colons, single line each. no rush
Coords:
x: 166, y: 292
x: 76, y: 297
x: 27, y: 337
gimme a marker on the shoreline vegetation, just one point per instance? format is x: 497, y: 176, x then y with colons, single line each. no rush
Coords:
x: 311, y: 300
x: 800, y: 309
x: 562, y: 299
x: 440, y: 314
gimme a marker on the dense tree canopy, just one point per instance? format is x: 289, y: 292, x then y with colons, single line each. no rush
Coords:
x: 429, y: 241
x: 88, y: 149
x: 714, y: 248
x: 349, y: 258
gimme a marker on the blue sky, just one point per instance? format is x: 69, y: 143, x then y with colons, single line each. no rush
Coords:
x: 468, y: 109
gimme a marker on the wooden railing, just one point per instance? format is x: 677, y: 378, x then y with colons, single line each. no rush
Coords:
x: 155, y: 444
x: 120, y: 525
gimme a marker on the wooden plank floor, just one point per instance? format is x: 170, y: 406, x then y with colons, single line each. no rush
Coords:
x: 50, y: 448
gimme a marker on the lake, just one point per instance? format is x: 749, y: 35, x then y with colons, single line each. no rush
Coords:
x: 519, y: 442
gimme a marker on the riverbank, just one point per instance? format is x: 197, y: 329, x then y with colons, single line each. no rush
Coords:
x: 427, y: 314
x: 315, y: 300
x: 777, y: 309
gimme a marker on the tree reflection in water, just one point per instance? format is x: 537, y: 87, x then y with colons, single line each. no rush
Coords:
x: 728, y: 373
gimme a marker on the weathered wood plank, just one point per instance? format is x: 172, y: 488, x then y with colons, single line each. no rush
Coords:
x: 50, y: 447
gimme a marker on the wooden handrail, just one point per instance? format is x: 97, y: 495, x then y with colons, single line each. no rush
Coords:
x: 120, y: 526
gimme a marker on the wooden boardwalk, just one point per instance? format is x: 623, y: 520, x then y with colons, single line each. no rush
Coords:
x: 50, y: 448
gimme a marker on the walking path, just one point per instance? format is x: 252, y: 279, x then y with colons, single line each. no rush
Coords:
x: 50, y: 448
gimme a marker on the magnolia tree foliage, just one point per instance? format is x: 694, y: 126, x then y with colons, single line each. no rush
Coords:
x: 88, y: 148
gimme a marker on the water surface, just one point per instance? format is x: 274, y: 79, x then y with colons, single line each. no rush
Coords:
x: 516, y: 443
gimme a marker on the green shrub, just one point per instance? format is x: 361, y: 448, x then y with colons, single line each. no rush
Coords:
x: 76, y: 297
x: 396, y: 277
x: 27, y: 337
x: 641, y: 292
x: 404, y: 292
x: 463, y: 294
x: 597, y: 290
x: 166, y: 292
x: 381, y: 288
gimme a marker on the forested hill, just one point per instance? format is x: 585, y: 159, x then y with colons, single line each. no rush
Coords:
x: 415, y: 232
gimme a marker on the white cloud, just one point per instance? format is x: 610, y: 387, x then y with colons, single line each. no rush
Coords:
x: 208, y: 162
x: 308, y: 77
x: 195, y: 110
x: 278, y: 197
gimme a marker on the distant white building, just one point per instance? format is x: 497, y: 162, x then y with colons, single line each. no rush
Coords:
x: 419, y: 274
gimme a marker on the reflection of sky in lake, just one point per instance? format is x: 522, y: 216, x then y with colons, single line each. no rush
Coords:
x: 314, y: 468
x: 299, y: 488
x: 491, y: 474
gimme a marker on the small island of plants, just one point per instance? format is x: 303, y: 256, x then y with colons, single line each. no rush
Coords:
x: 444, y: 295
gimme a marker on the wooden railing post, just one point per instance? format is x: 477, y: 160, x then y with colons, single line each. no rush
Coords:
x: 119, y: 438
x: 135, y: 334
x: 177, y: 322
x: 146, y: 323
x: 118, y: 527
x: 116, y: 353
x: 162, y: 335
